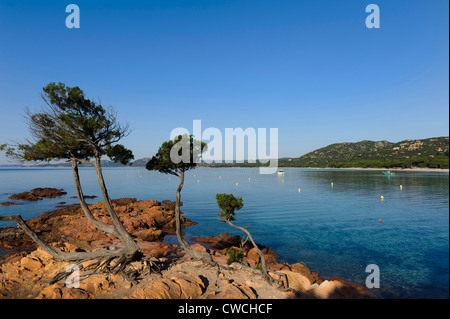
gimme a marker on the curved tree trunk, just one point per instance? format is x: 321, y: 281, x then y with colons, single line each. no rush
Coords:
x: 56, y: 253
x: 110, y: 229
x: 180, y: 238
x: 132, y: 248
x: 196, y: 254
x: 130, y: 251
x: 261, y: 255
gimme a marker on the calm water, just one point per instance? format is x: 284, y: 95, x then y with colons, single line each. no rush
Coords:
x: 334, y: 230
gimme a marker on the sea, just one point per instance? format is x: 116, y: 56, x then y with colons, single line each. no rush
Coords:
x: 336, y: 221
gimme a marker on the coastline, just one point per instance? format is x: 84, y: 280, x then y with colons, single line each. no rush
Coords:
x: 414, y: 169
x: 26, y: 272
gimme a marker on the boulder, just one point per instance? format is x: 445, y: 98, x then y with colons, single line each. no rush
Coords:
x: 170, y: 205
x: 326, y: 289
x: 190, y: 284
x: 221, y: 241
x: 270, y: 255
x: 48, y: 192
x: 252, y: 255
x: 123, y: 201
x: 232, y: 290
x: 9, y: 204
x: 51, y: 292
x: 26, y: 196
x: 31, y: 263
x: 199, y: 247
x: 304, y: 270
x: 74, y: 293
x: 38, y: 194
x: 297, y: 281
x: 159, y: 250
x: 180, y: 286
x: 97, y: 284
x: 59, y: 291
x: 149, y: 234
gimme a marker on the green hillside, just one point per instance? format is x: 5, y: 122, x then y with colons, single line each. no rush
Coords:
x: 140, y: 162
x: 431, y: 152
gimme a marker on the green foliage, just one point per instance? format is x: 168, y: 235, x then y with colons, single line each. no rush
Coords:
x: 72, y: 126
x: 119, y: 154
x: 228, y: 204
x: 165, y: 161
x: 79, y: 113
x: 234, y: 256
x: 432, y: 152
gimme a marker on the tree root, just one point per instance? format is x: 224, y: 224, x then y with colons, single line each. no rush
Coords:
x: 116, y: 265
x: 281, y: 284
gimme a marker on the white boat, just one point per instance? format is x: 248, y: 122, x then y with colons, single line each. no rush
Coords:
x: 280, y: 172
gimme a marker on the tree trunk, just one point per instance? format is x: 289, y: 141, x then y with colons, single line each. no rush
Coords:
x: 131, y: 247
x: 110, y: 229
x: 182, y: 242
x: 56, y: 253
x: 261, y: 255
x: 129, y: 252
x: 196, y: 254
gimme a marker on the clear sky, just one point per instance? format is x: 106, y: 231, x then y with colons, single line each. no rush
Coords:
x: 312, y: 69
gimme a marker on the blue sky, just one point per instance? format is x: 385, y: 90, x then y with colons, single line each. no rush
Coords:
x: 309, y: 68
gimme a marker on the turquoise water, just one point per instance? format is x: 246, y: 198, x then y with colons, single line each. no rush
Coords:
x: 334, y: 230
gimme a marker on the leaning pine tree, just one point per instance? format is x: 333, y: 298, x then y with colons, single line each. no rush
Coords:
x: 228, y: 204
x: 175, y: 157
x: 76, y: 129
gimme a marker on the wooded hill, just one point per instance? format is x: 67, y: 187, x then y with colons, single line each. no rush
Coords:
x: 431, y: 153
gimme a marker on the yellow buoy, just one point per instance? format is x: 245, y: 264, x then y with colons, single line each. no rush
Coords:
x: 299, y: 190
x: 382, y: 197
x: 237, y: 184
x: 332, y: 184
x: 220, y: 177
x: 249, y: 178
x: 198, y: 181
x: 401, y: 186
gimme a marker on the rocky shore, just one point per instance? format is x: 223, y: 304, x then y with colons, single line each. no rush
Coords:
x: 28, y: 272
